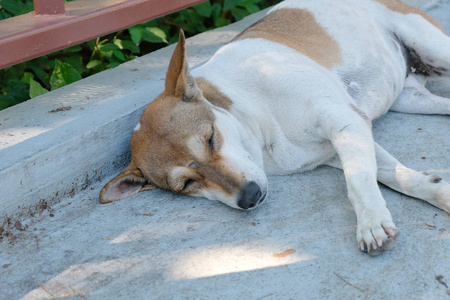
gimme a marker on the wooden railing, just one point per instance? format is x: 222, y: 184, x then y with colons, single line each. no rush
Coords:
x: 55, y: 25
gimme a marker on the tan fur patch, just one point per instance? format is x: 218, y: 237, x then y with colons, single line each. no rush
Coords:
x: 213, y: 94
x: 161, y: 152
x: 398, y: 6
x: 176, y: 143
x: 299, y: 30
x: 168, y: 128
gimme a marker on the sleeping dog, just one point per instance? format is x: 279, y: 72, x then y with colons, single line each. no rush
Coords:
x: 296, y: 90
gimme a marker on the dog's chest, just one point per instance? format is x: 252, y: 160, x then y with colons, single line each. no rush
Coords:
x: 285, y: 159
x: 290, y: 141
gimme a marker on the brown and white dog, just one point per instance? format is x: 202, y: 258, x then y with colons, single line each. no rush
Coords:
x: 296, y: 90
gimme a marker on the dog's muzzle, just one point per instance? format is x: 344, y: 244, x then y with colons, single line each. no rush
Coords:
x: 250, y: 196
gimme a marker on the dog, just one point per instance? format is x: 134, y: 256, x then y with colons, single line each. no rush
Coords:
x: 296, y: 90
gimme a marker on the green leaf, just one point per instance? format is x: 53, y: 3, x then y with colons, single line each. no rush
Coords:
x: 75, y: 61
x: 13, y: 6
x: 154, y: 35
x: 91, y: 44
x: 136, y: 34
x: 107, y: 47
x: 41, y: 75
x: 107, y: 54
x: 239, y: 13
x: 15, y: 91
x: 124, y: 44
x: 36, y: 89
x: 113, y: 64
x: 228, y: 4
x: 29, y: 7
x: 63, y: 74
x: 93, y: 63
x: 76, y: 48
x: 220, y: 22
x: 119, y: 55
x: 216, y: 11
x: 204, y: 9
x: 198, y: 24
x: 27, y: 76
x: 251, y: 7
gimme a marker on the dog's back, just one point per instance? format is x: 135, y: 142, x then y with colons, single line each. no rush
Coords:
x: 362, y: 43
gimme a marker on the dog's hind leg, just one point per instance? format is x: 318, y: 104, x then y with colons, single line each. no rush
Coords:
x: 427, y: 53
x: 393, y: 174
x: 416, y: 99
x: 426, y: 45
x: 430, y: 188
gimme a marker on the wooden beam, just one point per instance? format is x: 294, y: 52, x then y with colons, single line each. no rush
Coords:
x: 29, y: 36
x: 49, y: 7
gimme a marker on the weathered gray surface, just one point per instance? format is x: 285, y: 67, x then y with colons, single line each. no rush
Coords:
x: 157, y: 245
x: 61, y: 142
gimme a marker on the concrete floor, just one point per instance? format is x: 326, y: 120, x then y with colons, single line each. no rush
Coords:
x: 299, y: 245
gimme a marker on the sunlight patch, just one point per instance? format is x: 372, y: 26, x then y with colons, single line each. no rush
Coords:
x: 232, y: 259
x: 142, y: 232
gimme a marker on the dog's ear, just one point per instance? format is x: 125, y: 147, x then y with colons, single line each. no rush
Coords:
x: 179, y: 81
x: 129, y: 182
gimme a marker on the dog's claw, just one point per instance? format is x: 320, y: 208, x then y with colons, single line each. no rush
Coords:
x: 378, y: 249
x: 374, y: 250
x: 377, y: 241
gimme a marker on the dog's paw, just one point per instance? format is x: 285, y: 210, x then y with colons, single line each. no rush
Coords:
x: 376, y: 237
x: 444, y: 198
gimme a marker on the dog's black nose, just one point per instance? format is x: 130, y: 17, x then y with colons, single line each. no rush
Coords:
x: 250, y: 195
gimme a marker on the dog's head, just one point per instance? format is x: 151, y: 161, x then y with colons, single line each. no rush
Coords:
x: 185, y: 144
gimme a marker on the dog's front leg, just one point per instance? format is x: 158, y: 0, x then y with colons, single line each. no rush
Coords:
x: 354, y: 144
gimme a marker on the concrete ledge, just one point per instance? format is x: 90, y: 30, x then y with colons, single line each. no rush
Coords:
x: 61, y: 142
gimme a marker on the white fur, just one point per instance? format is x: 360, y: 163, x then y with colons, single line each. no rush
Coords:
x: 290, y: 114
x: 242, y: 153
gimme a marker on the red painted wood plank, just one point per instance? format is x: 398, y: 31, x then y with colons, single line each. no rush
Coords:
x: 28, y: 36
x: 49, y: 7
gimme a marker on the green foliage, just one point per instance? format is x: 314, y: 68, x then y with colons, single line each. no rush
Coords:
x: 36, y: 89
x: 63, y: 74
x: 38, y: 76
x: 10, y: 8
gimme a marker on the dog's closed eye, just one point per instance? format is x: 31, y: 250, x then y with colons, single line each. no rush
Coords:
x: 187, y: 184
x: 211, y: 140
